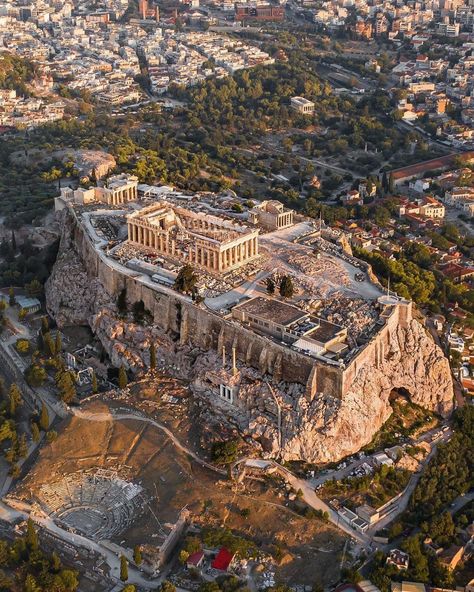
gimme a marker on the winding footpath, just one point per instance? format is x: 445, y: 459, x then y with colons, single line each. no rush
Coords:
x: 90, y: 416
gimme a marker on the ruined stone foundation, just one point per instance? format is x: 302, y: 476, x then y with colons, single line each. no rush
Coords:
x: 293, y: 406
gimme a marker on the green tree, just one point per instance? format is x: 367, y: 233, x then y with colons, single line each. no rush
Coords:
x: 186, y: 280
x: 22, y: 346
x: 15, y: 399
x: 122, y: 378
x: 58, y: 345
x: 94, y: 385
x: 167, y: 587
x: 35, y: 432
x: 35, y: 375
x: 31, y: 585
x: 22, y: 446
x: 44, y: 418
x: 129, y: 588
x: 67, y: 385
x: 152, y: 356
x: 11, y: 297
x: 31, y: 535
x: 225, y: 452
x: 55, y: 562
x: 49, y: 343
x: 286, y: 287
x: 44, y: 325
x: 122, y: 305
x: 210, y: 587
x: 137, y: 555
x: 34, y: 289
x: 69, y: 580
x: 123, y: 568
x: 270, y: 286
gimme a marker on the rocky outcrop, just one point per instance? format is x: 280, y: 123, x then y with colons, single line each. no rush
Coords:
x: 276, y: 413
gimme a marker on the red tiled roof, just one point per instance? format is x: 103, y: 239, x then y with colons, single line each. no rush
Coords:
x: 195, y: 558
x: 427, y: 165
x: 223, y: 560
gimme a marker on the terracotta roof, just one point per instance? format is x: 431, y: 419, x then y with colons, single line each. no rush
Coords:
x: 427, y: 165
x: 195, y: 558
x: 223, y: 560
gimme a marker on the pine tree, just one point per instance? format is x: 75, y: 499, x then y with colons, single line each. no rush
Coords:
x: 40, y: 341
x: 122, y: 378
x: 270, y: 286
x: 15, y: 399
x: 137, y: 555
x: 123, y: 568
x: 35, y: 432
x: 49, y: 344
x: 66, y: 385
x: 94, y: 385
x: 31, y: 585
x: 22, y: 446
x: 44, y: 325
x: 58, y: 344
x: 14, y: 245
x: 152, y: 356
x: 55, y: 562
x: 31, y: 535
x: 11, y: 297
x: 286, y: 287
x: 122, y: 302
x: 44, y: 418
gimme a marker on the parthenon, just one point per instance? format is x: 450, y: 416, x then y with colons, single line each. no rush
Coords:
x: 210, y: 242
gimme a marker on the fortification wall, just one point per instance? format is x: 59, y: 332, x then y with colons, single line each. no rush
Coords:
x: 207, y: 330
x: 373, y: 354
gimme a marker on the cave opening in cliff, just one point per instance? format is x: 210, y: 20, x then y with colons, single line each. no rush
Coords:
x: 399, y: 393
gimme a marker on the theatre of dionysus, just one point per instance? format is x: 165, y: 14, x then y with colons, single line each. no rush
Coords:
x: 216, y: 244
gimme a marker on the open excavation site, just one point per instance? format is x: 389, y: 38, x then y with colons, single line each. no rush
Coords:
x: 127, y: 481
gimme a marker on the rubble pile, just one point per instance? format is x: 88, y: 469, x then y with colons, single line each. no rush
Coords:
x: 358, y: 315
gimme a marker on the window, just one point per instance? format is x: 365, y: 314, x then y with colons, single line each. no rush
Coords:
x: 226, y: 393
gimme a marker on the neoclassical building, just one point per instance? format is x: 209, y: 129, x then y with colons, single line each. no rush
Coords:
x: 210, y: 242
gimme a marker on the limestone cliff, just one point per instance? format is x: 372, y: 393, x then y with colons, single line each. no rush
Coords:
x: 321, y: 428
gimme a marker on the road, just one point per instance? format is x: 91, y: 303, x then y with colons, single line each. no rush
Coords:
x: 460, y: 502
x: 310, y: 497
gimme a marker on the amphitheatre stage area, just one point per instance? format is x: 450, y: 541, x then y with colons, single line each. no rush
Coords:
x: 96, y: 503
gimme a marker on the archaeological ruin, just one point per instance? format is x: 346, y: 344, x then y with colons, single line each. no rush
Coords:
x: 305, y: 386
x: 210, y: 242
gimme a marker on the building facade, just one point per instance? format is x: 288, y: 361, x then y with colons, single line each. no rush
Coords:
x: 210, y: 242
x: 271, y: 215
x: 302, y: 105
x: 119, y: 189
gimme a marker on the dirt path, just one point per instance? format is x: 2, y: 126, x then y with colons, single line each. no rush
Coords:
x: 91, y: 416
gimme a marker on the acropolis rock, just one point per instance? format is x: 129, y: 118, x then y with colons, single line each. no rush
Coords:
x: 326, y: 412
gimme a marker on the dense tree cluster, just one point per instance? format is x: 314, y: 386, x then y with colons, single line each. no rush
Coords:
x: 23, y: 565
x: 15, y: 73
x: 450, y: 473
